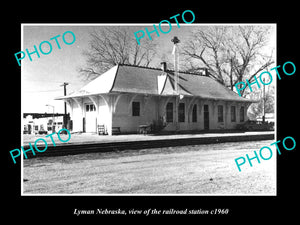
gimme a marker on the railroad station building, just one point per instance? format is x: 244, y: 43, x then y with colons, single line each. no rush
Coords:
x: 127, y: 97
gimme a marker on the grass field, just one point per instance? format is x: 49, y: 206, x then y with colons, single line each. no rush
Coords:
x: 202, y: 169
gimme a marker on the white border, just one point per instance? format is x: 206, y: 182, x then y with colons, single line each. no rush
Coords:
x: 146, y: 24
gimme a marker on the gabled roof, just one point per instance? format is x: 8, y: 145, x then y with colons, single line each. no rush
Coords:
x: 144, y: 80
x: 133, y: 79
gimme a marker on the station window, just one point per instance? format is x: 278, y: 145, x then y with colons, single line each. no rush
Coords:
x: 242, y: 114
x: 90, y: 107
x: 135, y: 108
x: 233, y: 114
x: 220, y: 113
x: 169, y: 112
x: 181, y: 112
x: 194, y: 114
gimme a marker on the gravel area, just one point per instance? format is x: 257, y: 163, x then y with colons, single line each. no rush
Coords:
x: 202, y: 169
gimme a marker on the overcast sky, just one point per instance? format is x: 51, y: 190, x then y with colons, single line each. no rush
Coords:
x: 42, y: 77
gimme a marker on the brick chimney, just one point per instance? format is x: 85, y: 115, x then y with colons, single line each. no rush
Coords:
x: 163, y: 66
x: 161, y: 78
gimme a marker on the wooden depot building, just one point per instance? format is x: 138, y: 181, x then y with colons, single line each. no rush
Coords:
x: 127, y: 97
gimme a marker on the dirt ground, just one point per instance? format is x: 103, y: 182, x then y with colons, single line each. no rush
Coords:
x: 202, y: 169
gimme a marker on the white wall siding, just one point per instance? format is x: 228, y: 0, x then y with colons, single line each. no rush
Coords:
x: 112, y: 114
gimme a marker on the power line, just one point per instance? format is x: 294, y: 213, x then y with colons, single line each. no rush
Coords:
x: 47, y: 81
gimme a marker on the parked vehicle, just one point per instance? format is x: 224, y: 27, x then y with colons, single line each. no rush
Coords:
x: 43, y: 132
x: 255, y: 125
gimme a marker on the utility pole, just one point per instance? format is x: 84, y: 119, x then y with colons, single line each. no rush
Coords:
x: 65, y: 104
x: 175, y: 52
x: 264, y: 103
x: 53, y: 117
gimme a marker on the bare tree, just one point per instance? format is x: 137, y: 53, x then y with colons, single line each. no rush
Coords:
x: 110, y: 46
x: 265, y: 102
x: 230, y: 53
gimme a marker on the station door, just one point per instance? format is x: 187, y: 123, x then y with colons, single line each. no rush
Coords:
x: 90, y: 118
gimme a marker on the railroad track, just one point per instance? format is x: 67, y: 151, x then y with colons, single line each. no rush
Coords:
x: 73, y: 149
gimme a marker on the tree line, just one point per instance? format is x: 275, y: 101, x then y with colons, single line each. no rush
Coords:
x: 231, y: 54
